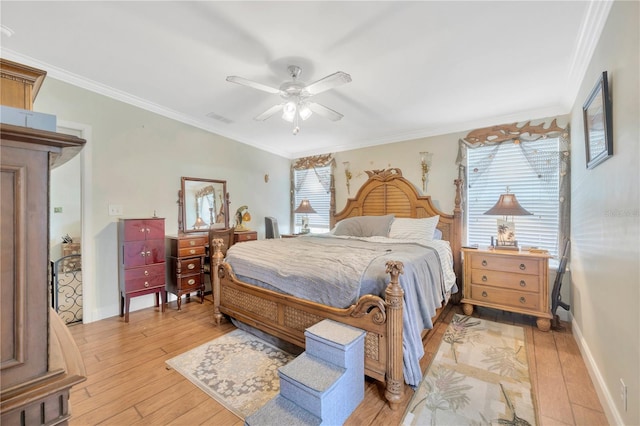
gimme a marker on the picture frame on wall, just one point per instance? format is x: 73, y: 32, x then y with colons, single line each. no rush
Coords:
x: 598, y: 130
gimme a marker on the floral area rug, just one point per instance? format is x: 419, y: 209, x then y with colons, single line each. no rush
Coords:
x: 238, y: 370
x: 479, y: 376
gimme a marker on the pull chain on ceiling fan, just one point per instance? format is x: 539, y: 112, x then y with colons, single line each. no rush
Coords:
x: 296, y: 96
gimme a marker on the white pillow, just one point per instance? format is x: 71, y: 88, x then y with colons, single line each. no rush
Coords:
x: 414, y: 229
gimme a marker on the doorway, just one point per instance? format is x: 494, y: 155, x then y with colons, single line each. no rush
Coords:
x: 70, y: 250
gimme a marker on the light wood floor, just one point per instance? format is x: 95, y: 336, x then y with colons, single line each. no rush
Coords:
x: 128, y: 382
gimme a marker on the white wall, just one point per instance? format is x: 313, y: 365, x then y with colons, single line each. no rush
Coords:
x: 406, y: 156
x: 137, y: 160
x: 605, y: 221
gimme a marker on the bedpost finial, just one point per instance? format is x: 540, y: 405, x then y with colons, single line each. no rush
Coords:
x: 395, y: 268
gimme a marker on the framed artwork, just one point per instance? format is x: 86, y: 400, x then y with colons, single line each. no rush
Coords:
x: 598, y: 130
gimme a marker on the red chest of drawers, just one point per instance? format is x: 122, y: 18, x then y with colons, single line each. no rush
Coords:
x: 141, y: 260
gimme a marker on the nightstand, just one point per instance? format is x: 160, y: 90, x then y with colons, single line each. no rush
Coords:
x: 186, y: 255
x: 512, y: 281
x: 240, y: 236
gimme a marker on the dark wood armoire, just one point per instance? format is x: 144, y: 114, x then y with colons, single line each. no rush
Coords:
x: 40, y: 361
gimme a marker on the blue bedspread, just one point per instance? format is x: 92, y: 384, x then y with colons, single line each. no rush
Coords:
x: 336, y: 271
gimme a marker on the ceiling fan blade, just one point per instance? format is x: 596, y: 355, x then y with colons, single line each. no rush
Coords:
x: 249, y: 83
x: 329, y: 82
x: 268, y: 113
x: 324, y: 111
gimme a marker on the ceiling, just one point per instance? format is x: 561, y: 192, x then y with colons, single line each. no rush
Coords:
x: 418, y: 69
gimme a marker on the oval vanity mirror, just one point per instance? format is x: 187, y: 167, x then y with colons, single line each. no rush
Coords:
x: 204, y: 204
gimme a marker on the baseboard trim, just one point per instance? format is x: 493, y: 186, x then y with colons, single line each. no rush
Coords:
x: 606, y: 399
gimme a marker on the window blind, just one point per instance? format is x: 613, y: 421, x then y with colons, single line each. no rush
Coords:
x: 308, y: 186
x: 533, y: 178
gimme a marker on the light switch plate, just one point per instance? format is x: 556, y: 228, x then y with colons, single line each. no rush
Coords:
x: 115, y: 209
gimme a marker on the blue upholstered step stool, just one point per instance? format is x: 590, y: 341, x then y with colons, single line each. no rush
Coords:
x: 326, y: 382
x: 280, y: 411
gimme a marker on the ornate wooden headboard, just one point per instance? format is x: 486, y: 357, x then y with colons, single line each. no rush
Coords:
x: 387, y: 192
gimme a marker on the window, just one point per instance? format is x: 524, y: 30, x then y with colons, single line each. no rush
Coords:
x: 531, y: 171
x: 313, y: 184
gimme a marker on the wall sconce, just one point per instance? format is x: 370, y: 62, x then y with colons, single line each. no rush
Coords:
x: 425, y: 165
x: 347, y: 175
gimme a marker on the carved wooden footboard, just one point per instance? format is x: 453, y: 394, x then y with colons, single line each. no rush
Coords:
x: 287, y: 317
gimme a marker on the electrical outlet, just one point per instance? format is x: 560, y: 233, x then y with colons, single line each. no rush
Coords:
x: 623, y: 394
x: 115, y: 209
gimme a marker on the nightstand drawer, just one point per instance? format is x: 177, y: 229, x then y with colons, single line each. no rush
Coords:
x: 510, y: 280
x: 497, y: 296
x: 192, y: 242
x: 245, y: 236
x: 189, y: 265
x: 191, y: 251
x: 190, y: 282
x: 506, y: 264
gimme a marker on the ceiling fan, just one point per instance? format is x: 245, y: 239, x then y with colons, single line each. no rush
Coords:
x: 296, y: 96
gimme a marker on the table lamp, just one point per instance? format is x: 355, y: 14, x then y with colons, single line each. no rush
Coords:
x: 305, y: 207
x: 506, y: 206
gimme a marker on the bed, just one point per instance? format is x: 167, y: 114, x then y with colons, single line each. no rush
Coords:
x: 384, y: 316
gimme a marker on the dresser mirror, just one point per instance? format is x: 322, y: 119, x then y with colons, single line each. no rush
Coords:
x: 204, y: 204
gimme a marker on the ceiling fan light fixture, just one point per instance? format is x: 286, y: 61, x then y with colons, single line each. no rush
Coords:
x: 305, y: 111
x: 296, y: 94
x: 289, y: 111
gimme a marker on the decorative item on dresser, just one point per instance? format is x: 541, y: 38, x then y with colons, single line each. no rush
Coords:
x: 141, y: 260
x: 514, y: 281
x: 40, y: 360
x: 240, y: 236
x: 186, y: 254
x: 506, y: 206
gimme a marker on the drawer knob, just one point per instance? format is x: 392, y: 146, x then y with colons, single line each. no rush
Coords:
x: 142, y: 253
x: 146, y: 273
x: 192, y: 251
x: 523, y: 267
x: 148, y: 230
x: 146, y: 283
x: 191, y: 281
x: 192, y: 243
x: 484, y: 294
x: 484, y: 263
x: 192, y: 265
x: 484, y: 278
x: 148, y: 253
x: 523, y: 283
x: 523, y: 300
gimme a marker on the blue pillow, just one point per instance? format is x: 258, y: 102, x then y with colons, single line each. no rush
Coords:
x: 364, y: 226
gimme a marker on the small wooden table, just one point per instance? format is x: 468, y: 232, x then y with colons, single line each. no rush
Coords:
x: 240, y: 236
x: 514, y: 281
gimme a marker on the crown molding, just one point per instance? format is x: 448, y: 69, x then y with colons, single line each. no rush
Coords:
x: 118, y: 95
x: 590, y: 31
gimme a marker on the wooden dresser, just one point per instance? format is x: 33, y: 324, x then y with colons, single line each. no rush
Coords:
x: 40, y: 360
x: 240, y: 236
x: 513, y: 281
x: 186, y: 255
x: 141, y: 261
